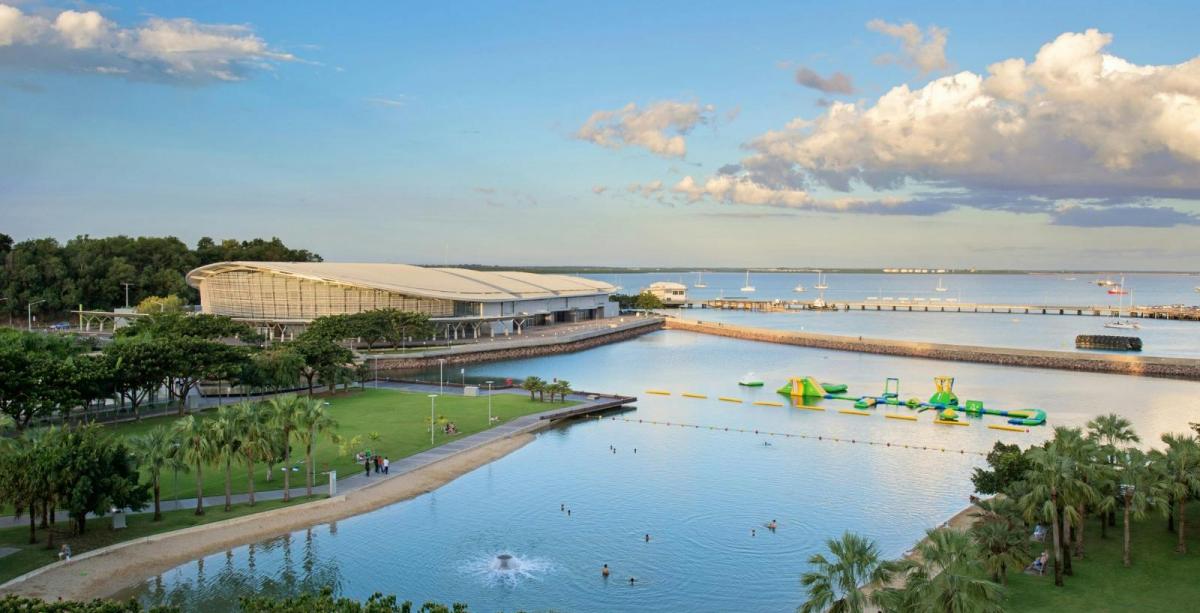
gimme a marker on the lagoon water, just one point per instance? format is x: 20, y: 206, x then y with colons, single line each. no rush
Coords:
x: 1160, y: 337
x: 697, y: 492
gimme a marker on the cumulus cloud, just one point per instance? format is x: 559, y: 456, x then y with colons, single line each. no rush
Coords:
x: 836, y: 83
x: 645, y: 189
x: 171, y: 50
x: 1075, y: 123
x: 923, y: 50
x: 659, y: 127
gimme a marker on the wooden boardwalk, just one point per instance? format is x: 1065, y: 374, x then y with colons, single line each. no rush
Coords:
x: 948, y: 306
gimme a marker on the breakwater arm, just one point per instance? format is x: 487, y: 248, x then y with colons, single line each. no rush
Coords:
x: 1174, y: 368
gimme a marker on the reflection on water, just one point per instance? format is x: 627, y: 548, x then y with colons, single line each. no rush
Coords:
x: 698, y: 493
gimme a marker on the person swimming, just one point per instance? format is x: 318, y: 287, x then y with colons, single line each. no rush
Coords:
x: 604, y: 571
x: 647, y: 538
x: 772, y: 526
x: 632, y: 580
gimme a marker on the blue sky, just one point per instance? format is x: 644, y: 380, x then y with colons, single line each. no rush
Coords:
x: 380, y: 132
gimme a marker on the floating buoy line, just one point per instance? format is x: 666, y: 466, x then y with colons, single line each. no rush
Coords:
x: 811, y: 437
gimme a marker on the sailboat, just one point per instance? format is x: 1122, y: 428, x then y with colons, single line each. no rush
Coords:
x: 1118, y: 323
x: 820, y: 282
x: 700, y: 281
x: 748, y: 288
x: 940, y: 287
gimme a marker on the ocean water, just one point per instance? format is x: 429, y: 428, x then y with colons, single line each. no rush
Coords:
x: 698, y: 492
x: 1159, y: 337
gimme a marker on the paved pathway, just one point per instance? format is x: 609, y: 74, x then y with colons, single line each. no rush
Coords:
x: 401, y: 466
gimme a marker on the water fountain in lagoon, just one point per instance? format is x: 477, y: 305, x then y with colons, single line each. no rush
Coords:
x: 505, y: 569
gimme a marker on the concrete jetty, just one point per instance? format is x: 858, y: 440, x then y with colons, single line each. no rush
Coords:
x: 933, y: 305
x: 1173, y: 368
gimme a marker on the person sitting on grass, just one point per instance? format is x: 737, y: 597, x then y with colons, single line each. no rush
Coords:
x: 1038, y: 566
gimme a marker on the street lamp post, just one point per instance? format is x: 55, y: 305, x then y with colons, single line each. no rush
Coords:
x: 29, y: 314
x: 127, y: 294
x: 489, y: 384
x: 432, y: 419
x: 441, y: 377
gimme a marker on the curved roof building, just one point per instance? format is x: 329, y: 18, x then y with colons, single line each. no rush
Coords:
x: 283, y: 293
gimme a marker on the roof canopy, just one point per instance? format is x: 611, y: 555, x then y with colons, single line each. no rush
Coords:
x: 443, y: 283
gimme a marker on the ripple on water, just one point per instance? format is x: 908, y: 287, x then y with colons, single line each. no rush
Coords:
x: 505, y: 569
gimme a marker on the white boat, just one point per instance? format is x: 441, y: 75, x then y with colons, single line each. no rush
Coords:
x: 700, y: 281
x: 1198, y: 288
x: 819, y: 303
x: 820, y: 282
x: 1118, y: 323
x: 748, y: 288
x: 799, y: 289
x: 940, y: 287
x: 1105, y: 282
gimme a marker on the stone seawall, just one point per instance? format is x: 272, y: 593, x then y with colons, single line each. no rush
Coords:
x: 515, y: 351
x: 1174, y: 368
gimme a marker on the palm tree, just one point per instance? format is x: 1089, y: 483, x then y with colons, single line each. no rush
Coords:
x: 285, y: 412
x: 312, y: 421
x: 1001, y: 536
x: 562, y: 387
x: 198, y: 447
x: 253, y: 420
x: 1113, y: 433
x: 833, y: 585
x: 228, y: 439
x: 155, y: 451
x: 533, y: 385
x: 1141, y: 489
x: 1052, y: 480
x: 1085, y: 454
x: 945, y: 578
x: 1180, y: 466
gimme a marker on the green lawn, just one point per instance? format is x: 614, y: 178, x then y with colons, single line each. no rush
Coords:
x: 100, y: 534
x: 1159, y: 580
x: 399, y: 419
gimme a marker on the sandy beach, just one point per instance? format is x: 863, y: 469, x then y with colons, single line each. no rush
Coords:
x: 113, y: 569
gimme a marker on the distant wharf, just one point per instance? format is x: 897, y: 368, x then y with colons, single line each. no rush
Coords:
x: 1184, y: 313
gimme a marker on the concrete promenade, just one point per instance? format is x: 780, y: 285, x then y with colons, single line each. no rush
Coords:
x: 1174, y: 368
x: 358, y: 479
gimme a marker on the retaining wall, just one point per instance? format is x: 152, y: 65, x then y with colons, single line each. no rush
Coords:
x: 1174, y: 368
x: 518, y: 348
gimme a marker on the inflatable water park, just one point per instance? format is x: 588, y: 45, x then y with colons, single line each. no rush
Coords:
x: 944, y: 401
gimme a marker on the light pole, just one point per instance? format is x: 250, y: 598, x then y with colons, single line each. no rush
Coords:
x: 432, y: 404
x: 441, y: 377
x: 127, y: 294
x: 29, y: 314
x: 489, y: 384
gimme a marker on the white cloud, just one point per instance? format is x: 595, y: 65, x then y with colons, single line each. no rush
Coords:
x: 395, y: 102
x: 175, y: 50
x: 645, y: 189
x: 599, y: 189
x: 926, y: 51
x: 659, y: 128
x: 1074, y: 123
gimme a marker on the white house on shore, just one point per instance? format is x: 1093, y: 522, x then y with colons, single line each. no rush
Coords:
x: 671, y: 294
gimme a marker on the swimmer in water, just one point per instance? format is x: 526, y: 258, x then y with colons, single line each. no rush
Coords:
x: 772, y: 526
x: 604, y: 571
x: 647, y: 538
x: 632, y: 580
x: 766, y: 444
x: 752, y: 532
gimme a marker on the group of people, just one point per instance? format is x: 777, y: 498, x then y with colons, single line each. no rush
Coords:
x: 381, y: 463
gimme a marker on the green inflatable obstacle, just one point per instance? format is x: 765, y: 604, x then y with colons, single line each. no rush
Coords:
x: 945, y: 392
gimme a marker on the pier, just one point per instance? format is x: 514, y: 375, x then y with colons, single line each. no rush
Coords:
x: 952, y: 306
x: 1147, y: 366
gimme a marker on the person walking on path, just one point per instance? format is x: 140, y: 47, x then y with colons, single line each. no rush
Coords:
x: 386, y: 464
x: 367, y: 466
x: 378, y: 463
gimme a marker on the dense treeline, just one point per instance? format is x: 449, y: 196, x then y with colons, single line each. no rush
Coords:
x: 90, y: 271
x: 1045, y: 490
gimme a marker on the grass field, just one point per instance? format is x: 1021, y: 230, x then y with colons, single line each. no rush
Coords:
x: 1159, y: 580
x: 399, y: 419
x: 100, y: 534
